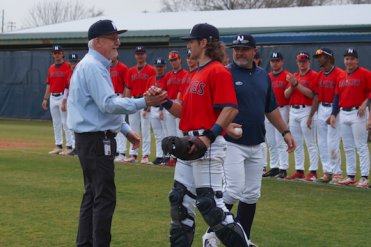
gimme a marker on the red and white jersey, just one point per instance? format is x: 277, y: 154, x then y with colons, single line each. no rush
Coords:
x: 325, y: 86
x: 157, y: 82
x: 59, y: 78
x: 210, y: 89
x: 353, y: 89
x: 185, y: 83
x: 279, y: 85
x: 309, y: 81
x: 173, y: 81
x: 137, y: 79
x: 118, y: 76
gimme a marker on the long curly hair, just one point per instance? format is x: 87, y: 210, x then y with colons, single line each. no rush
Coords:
x: 215, y: 50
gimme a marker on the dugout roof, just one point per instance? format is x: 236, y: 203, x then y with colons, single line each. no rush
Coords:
x: 340, y: 23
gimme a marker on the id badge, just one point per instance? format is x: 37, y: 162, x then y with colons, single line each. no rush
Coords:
x: 107, y: 147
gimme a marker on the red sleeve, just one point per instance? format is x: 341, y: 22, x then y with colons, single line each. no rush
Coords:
x: 223, y: 89
x: 128, y: 82
x: 337, y: 83
x: 48, y: 78
x: 68, y: 79
x: 367, y: 78
x: 313, y: 84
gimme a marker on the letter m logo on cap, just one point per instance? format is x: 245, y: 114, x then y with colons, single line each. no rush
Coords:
x: 240, y: 38
x: 73, y: 56
x: 350, y: 50
x: 158, y: 60
x: 274, y: 54
x: 114, y: 26
x: 56, y: 48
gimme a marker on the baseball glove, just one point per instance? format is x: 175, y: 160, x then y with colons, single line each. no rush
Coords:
x: 180, y: 146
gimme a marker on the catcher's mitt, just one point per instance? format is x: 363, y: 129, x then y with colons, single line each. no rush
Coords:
x: 180, y: 146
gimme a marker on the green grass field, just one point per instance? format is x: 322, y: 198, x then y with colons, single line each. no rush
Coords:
x: 40, y: 196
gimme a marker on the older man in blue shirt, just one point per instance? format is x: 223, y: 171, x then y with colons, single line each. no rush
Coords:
x: 94, y: 115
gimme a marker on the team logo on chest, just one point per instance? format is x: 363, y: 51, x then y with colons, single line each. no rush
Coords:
x: 238, y: 83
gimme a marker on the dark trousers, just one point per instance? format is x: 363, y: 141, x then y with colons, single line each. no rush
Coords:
x: 99, y: 199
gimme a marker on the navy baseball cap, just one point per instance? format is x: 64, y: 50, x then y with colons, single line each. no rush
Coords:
x: 159, y: 62
x: 323, y: 50
x: 303, y: 56
x: 257, y: 55
x: 203, y: 31
x: 57, y: 48
x: 140, y: 49
x: 73, y: 56
x: 174, y: 55
x: 103, y: 27
x: 188, y: 53
x: 276, y: 55
x: 244, y: 40
x: 351, y: 52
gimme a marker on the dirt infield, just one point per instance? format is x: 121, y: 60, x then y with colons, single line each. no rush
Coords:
x: 19, y: 143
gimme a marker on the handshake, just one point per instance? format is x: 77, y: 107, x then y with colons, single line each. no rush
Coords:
x: 155, y: 96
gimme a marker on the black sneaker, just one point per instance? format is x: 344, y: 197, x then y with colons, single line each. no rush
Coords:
x: 166, y: 160
x: 157, y: 161
x: 72, y: 153
x: 272, y: 173
x: 282, y: 174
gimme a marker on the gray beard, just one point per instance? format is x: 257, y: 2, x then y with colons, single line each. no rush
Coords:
x: 246, y: 64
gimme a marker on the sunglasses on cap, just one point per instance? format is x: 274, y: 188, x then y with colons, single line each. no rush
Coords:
x: 57, y: 52
x: 240, y: 42
x: 173, y: 55
x: 320, y: 52
x: 303, y: 56
x: 74, y: 61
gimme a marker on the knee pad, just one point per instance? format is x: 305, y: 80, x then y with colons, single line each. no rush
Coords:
x: 232, y: 235
x: 181, y: 235
x: 177, y: 210
x: 206, y: 204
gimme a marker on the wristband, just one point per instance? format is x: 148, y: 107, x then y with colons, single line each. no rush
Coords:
x: 285, y: 132
x: 296, y: 84
x: 168, y: 104
x: 209, y: 135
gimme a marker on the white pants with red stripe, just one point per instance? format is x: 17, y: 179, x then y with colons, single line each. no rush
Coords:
x: 158, y: 127
x: 59, y: 119
x: 276, y: 144
x: 329, y: 141
x: 354, y: 134
x: 136, y: 120
x: 243, y: 171
x: 301, y: 132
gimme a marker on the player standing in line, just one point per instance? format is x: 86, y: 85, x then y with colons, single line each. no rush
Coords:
x: 226, y: 60
x: 276, y: 144
x: 192, y: 65
x: 257, y: 59
x: 73, y: 60
x: 208, y: 108
x: 135, y: 84
x: 157, y: 113
x: 328, y: 138
x: 119, y: 72
x: 256, y: 99
x: 58, y: 75
x: 351, y: 92
x: 173, y: 81
x: 301, y: 92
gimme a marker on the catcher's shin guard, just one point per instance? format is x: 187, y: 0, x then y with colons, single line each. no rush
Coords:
x: 181, y: 235
x: 229, y: 232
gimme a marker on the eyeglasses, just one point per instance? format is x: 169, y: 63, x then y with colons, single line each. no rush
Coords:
x: 173, y: 55
x: 57, y: 52
x: 115, y: 39
x: 319, y: 52
x: 74, y: 61
x: 303, y: 56
x: 240, y: 41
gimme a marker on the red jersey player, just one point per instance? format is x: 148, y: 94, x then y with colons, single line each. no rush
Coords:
x: 192, y: 64
x: 301, y: 90
x: 352, y: 89
x: 58, y: 76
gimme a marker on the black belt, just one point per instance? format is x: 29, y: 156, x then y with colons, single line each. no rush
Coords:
x: 282, y: 106
x: 138, y: 97
x: 108, y: 133
x: 298, y: 106
x: 57, y: 94
x: 350, y: 109
x: 195, y: 133
x: 326, y: 104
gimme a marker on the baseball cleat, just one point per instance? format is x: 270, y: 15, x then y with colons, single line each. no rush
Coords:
x: 66, y: 151
x: 209, y: 239
x: 170, y: 163
x: 145, y: 160
x: 336, y: 178
x: 119, y: 157
x: 324, y: 179
x: 72, y: 153
x: 310, y: 178
x: 272, y: 173
x: 264, y: 170
x: 252, y: 244
x: 157, y: 161
x: 282, y: 174
x: 130, y: 159
x: 347, y: 181
x: 56, y: 150
x: 363, y: 183
x: 296, y: 176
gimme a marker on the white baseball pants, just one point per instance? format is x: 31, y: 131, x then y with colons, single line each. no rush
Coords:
x: 170, y: 124
x: 299, y: 130
x: 264, y: 149
x: 136, y: 120
x: 329, y: 141
x: 206, y: 172
x: 243, y: 171
x: 276, y: 144
x: 72, y: 133
x: 121, y: 141
x: 59, y: 119
x: 354, y: 134
x: 178, y: 131
x: 158, y: 127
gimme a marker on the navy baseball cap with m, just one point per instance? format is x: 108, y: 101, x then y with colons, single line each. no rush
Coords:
x: 103, y: 27
x: 73, y: 56
x: 244, y: 40
x: 57, y: 48
x: 140, y: 50
x: 351, y: 52
x: 276, y: 55
x: 303, y: 56
x: 159, y: 62
x: 203, y: 31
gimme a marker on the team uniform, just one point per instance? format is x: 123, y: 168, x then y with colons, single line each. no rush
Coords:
x: 185, y: 83
x: 137, y: 81
x: 118, y: 76
x: 300, y: 109
x: 58, y: 77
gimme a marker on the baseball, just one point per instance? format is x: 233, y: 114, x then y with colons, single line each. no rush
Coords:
x: 238, y: 130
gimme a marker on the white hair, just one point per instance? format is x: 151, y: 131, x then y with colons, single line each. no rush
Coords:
x: 91, y: 44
